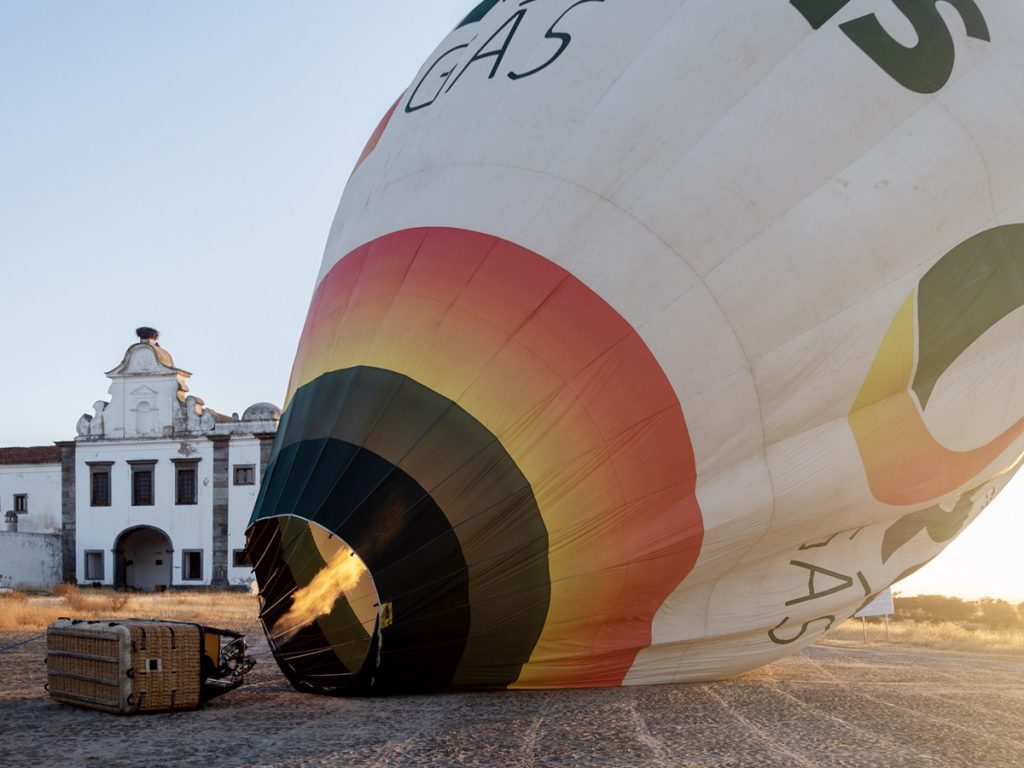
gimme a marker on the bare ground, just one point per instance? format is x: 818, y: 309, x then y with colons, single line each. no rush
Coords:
x: 827, y: 706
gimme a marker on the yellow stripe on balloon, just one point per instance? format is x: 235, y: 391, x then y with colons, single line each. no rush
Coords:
x: 905, y: 464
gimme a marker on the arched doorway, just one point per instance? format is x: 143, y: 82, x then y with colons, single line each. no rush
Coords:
x: 142, y: 559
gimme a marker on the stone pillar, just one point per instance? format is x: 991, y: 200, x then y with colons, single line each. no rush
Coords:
x: 69, y: 570
x: 266, y: 446
x: 221, y: 468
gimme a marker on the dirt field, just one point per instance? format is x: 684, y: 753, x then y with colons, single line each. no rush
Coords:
x: 828, y: 706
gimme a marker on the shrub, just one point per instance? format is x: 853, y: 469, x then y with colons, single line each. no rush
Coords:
x: 935, y: 608
x: 78, y: 602
x: 950, y: 636
x: 114, y: 602
x: 64, y: 590
x: 997, y: 613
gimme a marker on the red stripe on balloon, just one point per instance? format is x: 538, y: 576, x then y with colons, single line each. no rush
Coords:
x: 574, y: 394
x: 378, y: 132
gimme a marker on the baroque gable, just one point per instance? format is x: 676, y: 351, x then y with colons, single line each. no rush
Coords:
x: 149, y: 399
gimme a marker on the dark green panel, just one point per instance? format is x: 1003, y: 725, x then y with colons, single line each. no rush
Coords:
x: 342, y: 628
x: 369, y: 454
x: 926, y: 66
x: 969, y: 290
x: 942, y: 525
x: 407, y: 546
x: 478, y: 13
x: 817, y: 12
x: 310, y: 664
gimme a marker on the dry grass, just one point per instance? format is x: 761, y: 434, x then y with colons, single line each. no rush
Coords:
x: 230, y: 610
x: 63, y: 590
x: 946, y: 636
x: 239, y: 610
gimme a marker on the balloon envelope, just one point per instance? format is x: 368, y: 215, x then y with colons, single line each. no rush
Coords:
x: 650, y: 342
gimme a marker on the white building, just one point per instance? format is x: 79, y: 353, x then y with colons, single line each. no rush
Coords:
x: 154, y: 492
x: 30, y: 488
x: 30, y: 503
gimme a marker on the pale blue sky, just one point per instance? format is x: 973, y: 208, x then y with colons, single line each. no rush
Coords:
x: 177, y: 164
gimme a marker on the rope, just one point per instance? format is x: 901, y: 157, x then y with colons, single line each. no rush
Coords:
x: 23, y: 642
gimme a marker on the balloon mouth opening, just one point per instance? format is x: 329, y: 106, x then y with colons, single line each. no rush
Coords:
x: 323, y: 616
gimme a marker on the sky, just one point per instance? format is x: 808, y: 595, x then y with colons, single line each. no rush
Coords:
x: 178, y: 165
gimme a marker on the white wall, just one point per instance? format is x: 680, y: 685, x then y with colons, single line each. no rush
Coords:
x: 42, y: 484
x: 29, y: 560
x: 188, y: 526
x: 148, y: 418
x: 141, y: 382
x: 241, y: 500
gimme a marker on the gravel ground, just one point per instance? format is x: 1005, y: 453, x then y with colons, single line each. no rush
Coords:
x: 827, y: 706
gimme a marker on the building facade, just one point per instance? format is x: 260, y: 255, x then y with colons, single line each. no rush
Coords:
x: 30, y: 505
x: 30, y: 488
x: 156, y: 489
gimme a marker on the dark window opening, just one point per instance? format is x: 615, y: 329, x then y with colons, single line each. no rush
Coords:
x: 142, y: 487
x: 240, y: 558
x: 186, y: 490
x: 245, y: 474
x: 100, y: 488
x: 94, y: 566
x: 192, y: 565
x: 21, y: 502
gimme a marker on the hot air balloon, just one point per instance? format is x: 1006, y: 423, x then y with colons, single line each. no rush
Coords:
x: 650, y: 342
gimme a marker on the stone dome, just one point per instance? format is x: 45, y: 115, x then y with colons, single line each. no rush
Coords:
x: 262, y: 412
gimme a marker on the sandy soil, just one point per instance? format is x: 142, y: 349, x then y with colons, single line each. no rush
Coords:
x: 828, y: 706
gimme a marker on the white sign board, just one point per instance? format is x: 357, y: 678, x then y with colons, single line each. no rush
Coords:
x: 880, y: 606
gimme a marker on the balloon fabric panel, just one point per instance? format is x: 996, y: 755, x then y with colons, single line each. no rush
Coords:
x: 570, y: 392
x: 583, y: 219
x: 967, y: 291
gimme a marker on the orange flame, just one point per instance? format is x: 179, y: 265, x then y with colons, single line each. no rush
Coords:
x: 317, y: 598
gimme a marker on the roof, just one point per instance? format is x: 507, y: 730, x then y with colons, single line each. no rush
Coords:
x: 262, y: 412
x: 220, y: 418
x: 39, y: 454
x: 163, y: 357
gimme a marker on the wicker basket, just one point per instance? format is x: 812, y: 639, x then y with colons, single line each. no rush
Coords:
x: 126, y: 666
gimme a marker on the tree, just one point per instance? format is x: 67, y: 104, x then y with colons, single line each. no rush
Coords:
x: 935, y: 608
x: 997, y: 613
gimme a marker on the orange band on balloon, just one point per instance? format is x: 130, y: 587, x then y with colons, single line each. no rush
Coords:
x: 573, y: 394
x: 905, y: 464
x: 378, y: 132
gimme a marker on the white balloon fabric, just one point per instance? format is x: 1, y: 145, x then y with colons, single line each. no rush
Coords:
x: 652, y: 340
